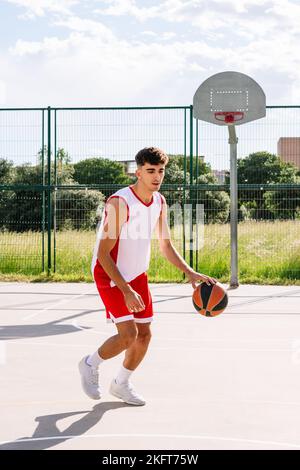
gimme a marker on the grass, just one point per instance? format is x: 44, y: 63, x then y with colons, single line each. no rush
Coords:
x: 269, y: 253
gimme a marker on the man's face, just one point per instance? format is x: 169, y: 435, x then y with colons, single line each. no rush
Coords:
x: 151, y: 175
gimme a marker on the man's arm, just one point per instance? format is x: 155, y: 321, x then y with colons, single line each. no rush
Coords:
x: 171, y: 254
x: 116, y: 216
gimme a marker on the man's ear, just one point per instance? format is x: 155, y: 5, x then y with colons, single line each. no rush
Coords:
x: 138, y: 173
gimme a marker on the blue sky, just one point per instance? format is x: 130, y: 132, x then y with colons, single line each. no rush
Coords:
x: 134, y: 53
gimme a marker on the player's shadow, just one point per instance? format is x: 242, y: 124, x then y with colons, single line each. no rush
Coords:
x: 51, y: 328
x: 47, y: 434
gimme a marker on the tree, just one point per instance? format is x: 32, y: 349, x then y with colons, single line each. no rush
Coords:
x: 261, y: 168
x: 216, y: 203
x: 100, y: 171
x: 284, y: 204
x: 198, y: 165
x: 78, y: 209
x: 5, y: 171
x: 64, y: 169
x: 174, y: 178
x: 22, y: 209
x: 264, y: 168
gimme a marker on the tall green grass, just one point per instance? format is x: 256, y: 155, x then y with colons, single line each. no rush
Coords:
x: 269, y: 253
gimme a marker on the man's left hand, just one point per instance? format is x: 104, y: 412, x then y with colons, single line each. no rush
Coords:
x: 194, y: 277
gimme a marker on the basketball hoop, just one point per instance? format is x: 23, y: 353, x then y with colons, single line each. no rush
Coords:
x: 246, y: 101
x: 229, y: 99
x: 229, y: 117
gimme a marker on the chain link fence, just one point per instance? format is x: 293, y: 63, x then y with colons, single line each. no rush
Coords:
x: 58, y: 166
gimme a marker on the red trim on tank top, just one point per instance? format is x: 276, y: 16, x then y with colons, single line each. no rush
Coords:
x: 145, y: 203
x: 103, y: 278
x: 161, y: 203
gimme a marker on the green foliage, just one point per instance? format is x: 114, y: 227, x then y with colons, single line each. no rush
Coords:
x: 284, y: 204
x: 216, y: 203
x: 5, y: 171
x: 174, y: 175
x: 22, y: 210
x: 266, y: 168
x: 200, y: 167
x: 78, y: 209
x: 100, y: 170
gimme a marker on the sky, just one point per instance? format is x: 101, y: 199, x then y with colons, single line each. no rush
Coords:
x: 143, y: 53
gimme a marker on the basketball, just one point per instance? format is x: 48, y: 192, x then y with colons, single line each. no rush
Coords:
x: 210, y: 300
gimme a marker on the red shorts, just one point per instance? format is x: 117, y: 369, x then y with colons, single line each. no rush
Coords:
x: 115, y: 306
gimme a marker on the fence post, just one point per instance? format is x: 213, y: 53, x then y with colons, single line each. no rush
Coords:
x: 184, y: 189
x: 54, y: 195
x: 49, y: 188
x: 191, y: 183
x: 43, y: 192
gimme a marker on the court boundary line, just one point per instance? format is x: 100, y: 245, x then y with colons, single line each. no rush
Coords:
x: 145, y: 436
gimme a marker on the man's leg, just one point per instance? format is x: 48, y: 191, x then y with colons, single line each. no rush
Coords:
x: 120, y: 386
x: 137, y: 350
x: 127, y: 334
x: 88, y: 366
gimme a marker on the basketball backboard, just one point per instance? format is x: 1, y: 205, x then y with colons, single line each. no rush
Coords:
x: 229, y: 98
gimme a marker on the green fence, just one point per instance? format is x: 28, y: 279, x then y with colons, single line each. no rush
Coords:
x: 52, y: 189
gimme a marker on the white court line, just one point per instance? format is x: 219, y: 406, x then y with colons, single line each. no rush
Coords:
x: 165, y: 436
x: 78, y: 327
x: 60, y: 302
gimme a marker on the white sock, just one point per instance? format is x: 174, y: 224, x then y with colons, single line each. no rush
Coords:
x: 123, y: 375
x: 94, y: 360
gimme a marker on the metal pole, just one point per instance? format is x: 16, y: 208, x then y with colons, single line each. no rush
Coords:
x: 184, y: 185
x: 43, y: 192
x: 54, y: 196
x: 233, y: 208
x: 49, y: 189
x: 190, y: 192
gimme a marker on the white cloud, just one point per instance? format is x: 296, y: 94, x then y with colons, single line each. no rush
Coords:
x: 86, y: 26
x: 211, y: 15
x: 128, y: 7
x: 93, y: 65
x: 48, y: 46
x: 35, y: 8
x: 165, y: 36
x: 149, y: 33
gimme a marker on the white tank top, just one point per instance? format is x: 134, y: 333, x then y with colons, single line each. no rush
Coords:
x: 131, y: 252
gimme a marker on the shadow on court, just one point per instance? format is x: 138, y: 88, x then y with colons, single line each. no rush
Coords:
x: 56, y: 327
x: 48, y: 435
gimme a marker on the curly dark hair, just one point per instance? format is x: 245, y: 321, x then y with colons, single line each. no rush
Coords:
x: 152, y: 155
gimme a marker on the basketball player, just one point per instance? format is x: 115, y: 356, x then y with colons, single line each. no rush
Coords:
x: 120, y: 261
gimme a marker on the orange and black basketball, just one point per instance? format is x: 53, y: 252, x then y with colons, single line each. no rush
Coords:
x: 210, y: 300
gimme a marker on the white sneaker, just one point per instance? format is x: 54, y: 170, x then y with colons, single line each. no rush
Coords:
x: 89, y: 379
x: 127, y: 393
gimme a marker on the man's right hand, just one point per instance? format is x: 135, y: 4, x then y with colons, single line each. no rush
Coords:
x: 133, y: 300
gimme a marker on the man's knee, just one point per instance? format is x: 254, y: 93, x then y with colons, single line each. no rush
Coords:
x: 128, y: 336
x: 144, y: 336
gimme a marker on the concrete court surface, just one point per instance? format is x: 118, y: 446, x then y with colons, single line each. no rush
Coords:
x: 229, y: 382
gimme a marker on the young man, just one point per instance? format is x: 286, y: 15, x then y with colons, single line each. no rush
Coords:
x: 120, y: 261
